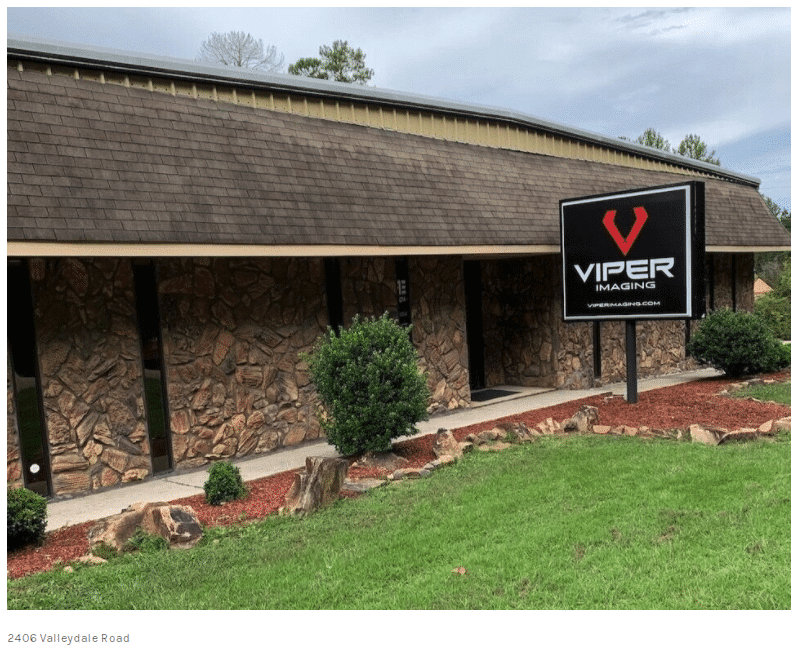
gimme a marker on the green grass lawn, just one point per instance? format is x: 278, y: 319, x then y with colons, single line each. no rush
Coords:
x: 767, y: 393
x: 585, y: 522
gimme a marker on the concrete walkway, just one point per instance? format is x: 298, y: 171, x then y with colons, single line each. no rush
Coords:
x: 176, y: 485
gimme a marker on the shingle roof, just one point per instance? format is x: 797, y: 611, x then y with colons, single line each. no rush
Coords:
x: 89, y: 162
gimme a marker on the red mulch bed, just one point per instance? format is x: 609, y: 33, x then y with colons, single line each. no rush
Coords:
x: 672, y: 407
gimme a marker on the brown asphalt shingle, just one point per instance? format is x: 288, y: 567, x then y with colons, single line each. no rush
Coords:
x: 96, y: 163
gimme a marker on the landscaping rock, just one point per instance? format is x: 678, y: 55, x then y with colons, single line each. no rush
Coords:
x: 738, y: 435
x: 781, y: 423
x: 486, y: 436
x: 408, y: 473
x: 521, y: 432
x: 766, y: 428
x: 582, y: 420
x: 699, y: 434
x: 601, y: 429
x: 446, y: 445
x: 317, y: 486
x: 386, y: 460
x: 179, y: 525
x: 362, y: 485
x: 549, y: 426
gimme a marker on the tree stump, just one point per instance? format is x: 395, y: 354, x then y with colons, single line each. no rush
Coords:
x: 317, y: 486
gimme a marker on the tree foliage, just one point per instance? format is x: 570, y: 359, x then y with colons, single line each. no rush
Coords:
x: 768, y: 266
x: 691, y: 145
x: 241, y: 50
x: 653, y: 139
x: 367, y: 379
x: 338, y: 62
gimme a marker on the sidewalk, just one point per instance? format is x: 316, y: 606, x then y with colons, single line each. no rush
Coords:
x: 176, y: 485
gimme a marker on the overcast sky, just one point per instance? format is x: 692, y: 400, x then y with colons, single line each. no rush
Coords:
x: 721, y: 73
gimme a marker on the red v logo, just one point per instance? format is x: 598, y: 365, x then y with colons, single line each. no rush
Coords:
x: 625, y: 243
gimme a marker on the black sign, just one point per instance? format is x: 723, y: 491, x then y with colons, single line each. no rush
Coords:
x: 634, y: 254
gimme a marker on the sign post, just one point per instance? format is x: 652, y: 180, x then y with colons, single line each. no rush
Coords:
x: 634, y: 255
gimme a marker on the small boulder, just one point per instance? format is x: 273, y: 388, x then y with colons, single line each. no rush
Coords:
x: 521, y: 432
x: 601, y: 429
x: 781, y: 423
x: 549, y: 426
x: 446, y: 445
x: 766, y: 428
x: 582, y: 420
x: 699, y: 434
x: 317, y: 486
x: 179, y: 525
x: 738, y: 435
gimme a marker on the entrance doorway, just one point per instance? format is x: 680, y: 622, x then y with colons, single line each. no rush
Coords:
x: 25, y: 378
x: 473, y: 291
x: 147, y: 312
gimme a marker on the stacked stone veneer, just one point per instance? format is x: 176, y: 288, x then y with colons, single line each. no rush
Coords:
x: 527, y: 343
x: 233, y: 331
x: 722, y: 278
x: 436, y: 288
x: 520, y: 317
x: 91, y: 372
x: 439, y: 330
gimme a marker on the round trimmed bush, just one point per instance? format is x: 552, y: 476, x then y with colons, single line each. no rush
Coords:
x: 27, y: 517
x: 224, y: 483
x: 738, y: 343
x: 368, y: 382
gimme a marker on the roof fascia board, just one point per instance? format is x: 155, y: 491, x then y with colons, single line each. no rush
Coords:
x: 132, y: 250
x: 74, y: 249
x: 123, y: 61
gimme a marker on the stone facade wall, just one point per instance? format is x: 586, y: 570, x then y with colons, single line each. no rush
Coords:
x: 233, y: 330
x: 13, y: 452
x: 722, y: 279
x: 439, y: 329
x: 519, y: 313
x: 368, y: 287
x: 91, y: 372
x: 528, y: 344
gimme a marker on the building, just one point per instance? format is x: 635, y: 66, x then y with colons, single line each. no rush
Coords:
x: 761, y: 287
x: 178, y: 233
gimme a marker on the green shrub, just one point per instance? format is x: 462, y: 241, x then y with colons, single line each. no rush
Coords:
x: 27, y: 517
x: 368, y: 382
x: 738, y: 343
x: 142, y: 541
x: 224, y: 483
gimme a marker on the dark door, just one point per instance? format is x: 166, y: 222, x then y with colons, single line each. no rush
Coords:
x: 147, y: 311
x: 25, y: 374
x: 475, y: 327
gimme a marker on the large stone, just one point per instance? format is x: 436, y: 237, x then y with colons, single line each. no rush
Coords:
x: 700, y: 434
x: 179, y: 525
x: 738, y: 435
x: 582, y: 421
x: 317, y: 486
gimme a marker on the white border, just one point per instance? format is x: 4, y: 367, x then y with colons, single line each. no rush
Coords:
x: 687, y: 245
